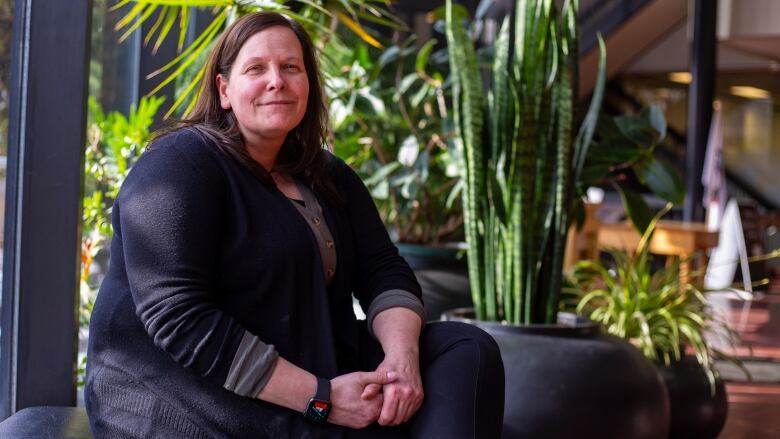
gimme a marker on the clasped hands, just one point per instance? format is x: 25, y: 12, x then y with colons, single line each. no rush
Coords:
x: 391, y: 395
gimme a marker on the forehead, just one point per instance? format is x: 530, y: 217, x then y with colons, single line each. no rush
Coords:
x: 274, y: 42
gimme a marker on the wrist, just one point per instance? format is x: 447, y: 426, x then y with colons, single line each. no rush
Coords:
x: 409, y: 350
x: 309, y: 388
x: 319, y: 404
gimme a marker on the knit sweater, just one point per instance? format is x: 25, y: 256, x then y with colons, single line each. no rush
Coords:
x: 204, y: 252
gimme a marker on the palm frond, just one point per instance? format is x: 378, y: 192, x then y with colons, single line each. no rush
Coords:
x: 313, y: 16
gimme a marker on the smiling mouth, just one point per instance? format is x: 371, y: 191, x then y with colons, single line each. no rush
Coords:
x: 277, y: 103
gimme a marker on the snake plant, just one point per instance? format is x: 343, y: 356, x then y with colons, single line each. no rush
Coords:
x: 515, y: 123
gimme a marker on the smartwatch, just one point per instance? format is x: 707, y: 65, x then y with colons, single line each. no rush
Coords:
x: 319, y: 405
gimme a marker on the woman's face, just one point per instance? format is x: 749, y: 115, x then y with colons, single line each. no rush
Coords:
x: 267, y: 87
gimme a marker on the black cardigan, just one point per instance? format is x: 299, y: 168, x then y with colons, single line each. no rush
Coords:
x: 203, y: 251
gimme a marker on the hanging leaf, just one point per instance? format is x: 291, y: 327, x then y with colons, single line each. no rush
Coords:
x: 381, y: 190
x: 407, y: 82
x: 638, y: 130
x: 338, y: 113
x: 637, y: 209
x: 422, y: 57
x: 422, y: 166
x: 382, y: 174
x: 663, y: 180
x: 375, y: 102
x: 407, y: 153
x: 358, y: 29
x: 655, y: 118
x: 388, y: 56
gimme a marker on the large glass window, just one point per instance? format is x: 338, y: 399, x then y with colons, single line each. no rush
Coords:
x: 6, y: 19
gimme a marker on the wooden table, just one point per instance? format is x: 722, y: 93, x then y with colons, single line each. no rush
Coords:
x: 671, y: 238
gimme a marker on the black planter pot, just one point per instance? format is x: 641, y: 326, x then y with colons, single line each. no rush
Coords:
x: 443, y: 277
x: 696, y: 413
x: 572, y: 381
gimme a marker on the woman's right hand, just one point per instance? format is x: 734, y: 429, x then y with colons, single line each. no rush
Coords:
x: 348, y: 408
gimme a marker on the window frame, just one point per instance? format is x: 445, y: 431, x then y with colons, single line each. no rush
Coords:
x: 47, y: 118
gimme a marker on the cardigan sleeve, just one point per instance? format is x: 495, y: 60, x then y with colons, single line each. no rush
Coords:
x: 381, y: 271
x: 170, y: 212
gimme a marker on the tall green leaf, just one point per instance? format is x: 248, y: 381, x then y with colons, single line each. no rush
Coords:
x: 523, y: 163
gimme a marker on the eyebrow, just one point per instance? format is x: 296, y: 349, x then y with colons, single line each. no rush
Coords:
x: 262, y: 59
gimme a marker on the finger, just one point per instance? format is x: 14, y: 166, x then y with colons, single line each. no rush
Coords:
x: 389, y: 410
x: 401, y: 413
x: 410, y: 411
x: 370, y: 391
x: 407, y: 407
x: 378, y: 377
x: 412, y: 407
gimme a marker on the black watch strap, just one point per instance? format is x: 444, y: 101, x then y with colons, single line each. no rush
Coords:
x: 323, y: 389
x: 319, y: 405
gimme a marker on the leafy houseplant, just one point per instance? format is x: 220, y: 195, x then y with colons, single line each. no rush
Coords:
x: 662, y: 317
x: 388, y: 114
x: 624, y: 150
x: 523, y: 155
x: 515, y: 124
x: 650, y: 308
x: 390, y: 123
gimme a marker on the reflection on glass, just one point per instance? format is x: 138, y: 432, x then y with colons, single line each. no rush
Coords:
x: 6, y: 19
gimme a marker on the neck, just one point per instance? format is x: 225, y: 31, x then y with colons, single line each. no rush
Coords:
x: 264, y: 150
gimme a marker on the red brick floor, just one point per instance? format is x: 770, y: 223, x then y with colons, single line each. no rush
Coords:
x: 754, y: 409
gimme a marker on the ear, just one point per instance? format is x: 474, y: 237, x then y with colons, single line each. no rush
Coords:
x: 222, y: 84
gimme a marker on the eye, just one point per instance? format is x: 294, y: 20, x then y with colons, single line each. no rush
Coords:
x: 254, y: 68
x: 291, y: 67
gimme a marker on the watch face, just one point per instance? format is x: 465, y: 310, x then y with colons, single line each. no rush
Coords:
x: 318, y: 410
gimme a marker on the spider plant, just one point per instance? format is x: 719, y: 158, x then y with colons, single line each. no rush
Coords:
x: 649, y: 308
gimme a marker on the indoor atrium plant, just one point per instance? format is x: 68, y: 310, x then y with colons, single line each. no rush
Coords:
x: 664, y: 318
x: 389, y: 122
x: 515, y: 123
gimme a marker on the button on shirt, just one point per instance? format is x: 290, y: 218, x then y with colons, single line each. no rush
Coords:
x: 312, y: 211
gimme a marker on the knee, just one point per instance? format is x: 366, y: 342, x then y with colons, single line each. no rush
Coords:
x: 471, y: 337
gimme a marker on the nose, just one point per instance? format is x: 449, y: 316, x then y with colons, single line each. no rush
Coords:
x: 276, y: 79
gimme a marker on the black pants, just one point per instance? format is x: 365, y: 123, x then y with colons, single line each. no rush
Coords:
x: 463, y: 381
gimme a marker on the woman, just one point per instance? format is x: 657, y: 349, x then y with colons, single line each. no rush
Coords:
x: 239, y: 241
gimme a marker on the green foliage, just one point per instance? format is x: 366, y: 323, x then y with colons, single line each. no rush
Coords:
x: 6, y: 45
x: 625, y: 147
x: 115, y: 143
x: 523, y: 156
x: 171, y: 19
x: 650, y: 309
x: 388, y: 113
x: 401, y: 155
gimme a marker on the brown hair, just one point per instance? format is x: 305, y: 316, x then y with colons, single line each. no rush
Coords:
x: 302, y: 154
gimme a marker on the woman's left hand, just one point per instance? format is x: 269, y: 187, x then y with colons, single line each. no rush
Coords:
x: 402, y: 397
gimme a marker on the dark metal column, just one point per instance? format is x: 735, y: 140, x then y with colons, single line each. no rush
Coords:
x: 700, y: 97
x: 47, y: 117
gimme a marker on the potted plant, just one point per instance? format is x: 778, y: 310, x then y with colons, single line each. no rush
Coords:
x: 389, y: 118
x: 523, y: 156
x: 667, y: 321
